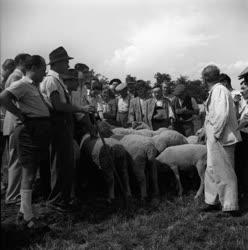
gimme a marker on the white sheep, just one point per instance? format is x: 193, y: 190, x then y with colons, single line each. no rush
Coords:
x: 142, y: 153
x: 194, y: 139
x: 168, y: 138
x: 183, y: 157
x: 93, y: 150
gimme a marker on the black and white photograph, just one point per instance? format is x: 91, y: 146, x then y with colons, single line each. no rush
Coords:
x: 124, y: 124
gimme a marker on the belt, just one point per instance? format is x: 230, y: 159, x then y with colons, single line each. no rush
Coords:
x: 122, y: 112
x: 44, y: 118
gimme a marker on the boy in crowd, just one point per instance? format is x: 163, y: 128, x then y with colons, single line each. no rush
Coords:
x: 14, y: 168
x: 32, y: 132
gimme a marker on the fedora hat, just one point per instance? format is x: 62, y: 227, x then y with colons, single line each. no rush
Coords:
x: 59, y: 54
x: 72, y: 74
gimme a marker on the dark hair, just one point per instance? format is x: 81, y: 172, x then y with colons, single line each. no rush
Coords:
x: 115, y: 80
x: 244, y: 82
x: 96, y: 84
x: 81, y: 67
x: 8, y: 64
x: 225, y: 78
x: 21, y: 58
x: 34, y: 60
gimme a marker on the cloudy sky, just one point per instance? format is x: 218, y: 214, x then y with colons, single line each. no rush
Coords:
x: 140, y: 37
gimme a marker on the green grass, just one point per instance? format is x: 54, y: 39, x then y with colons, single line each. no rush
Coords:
x: 174, y: 224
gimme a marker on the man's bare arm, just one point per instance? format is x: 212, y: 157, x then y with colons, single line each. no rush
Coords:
x: 6, y: 100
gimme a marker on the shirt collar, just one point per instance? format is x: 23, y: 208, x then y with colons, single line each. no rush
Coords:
x: 27, y: 79
x: 53, y: 73
x: 18, y: 71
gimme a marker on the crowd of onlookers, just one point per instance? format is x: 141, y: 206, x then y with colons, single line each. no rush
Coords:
x: 43, y: 112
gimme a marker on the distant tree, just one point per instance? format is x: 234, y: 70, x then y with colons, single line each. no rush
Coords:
x: 198, y: 90
x: 162, y: 77
x: 182, y: 80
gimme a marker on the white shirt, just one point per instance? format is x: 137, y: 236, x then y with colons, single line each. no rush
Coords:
x: 51, y: 83
x: 123, y: 104
x: 28, y: 98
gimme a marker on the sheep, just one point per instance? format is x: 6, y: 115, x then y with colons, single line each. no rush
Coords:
x: 182, y: 157
x: 142, y: 152
x: 92, y: 149
x: 168, y: 138
x: 195, y: 139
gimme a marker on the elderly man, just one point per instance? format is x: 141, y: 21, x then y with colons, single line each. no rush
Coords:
x: 57, y: 97
x: 222, y: 135
x: 137, y: 105
x: 241, y: 158
x: 158, y: 111
x: 14, y: 168
x: 185, y: 108
x: 32, y: 130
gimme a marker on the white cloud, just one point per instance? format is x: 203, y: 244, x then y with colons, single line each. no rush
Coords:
x: 160, y: 41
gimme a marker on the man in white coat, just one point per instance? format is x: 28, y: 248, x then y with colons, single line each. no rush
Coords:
x: 222, y: 135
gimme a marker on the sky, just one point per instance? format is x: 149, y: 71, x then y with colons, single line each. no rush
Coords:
x: 137, y: 37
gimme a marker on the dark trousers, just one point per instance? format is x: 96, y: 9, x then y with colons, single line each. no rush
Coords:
x: 62, y: 159
x: 122, y: 119
x: 157, y: 124
x: 241, y: 164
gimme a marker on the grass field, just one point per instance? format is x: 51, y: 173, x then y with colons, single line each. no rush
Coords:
x: 173, y: 224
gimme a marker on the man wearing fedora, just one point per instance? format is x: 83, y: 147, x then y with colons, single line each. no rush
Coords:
x: 57, y: 97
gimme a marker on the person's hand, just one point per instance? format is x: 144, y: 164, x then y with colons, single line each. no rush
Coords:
x: 21, y: 117
x: 88, y: 109
x: 237, y: 98
x: 134, y: 124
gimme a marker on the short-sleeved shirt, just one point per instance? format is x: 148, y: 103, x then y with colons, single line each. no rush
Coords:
x: 28, y: 98
x: 51, y: 83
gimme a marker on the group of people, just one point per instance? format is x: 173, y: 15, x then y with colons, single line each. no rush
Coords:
x: 44, y: 113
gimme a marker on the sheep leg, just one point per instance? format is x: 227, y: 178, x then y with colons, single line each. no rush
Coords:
x: 174, y: 168
x: 123, y: 163
x: 139, y: 171
x: 109, y: 178
x: 200, y: 166
x: 154, y: 176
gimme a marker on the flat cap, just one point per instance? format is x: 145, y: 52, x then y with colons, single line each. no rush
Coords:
x: 244, y: 73
x: 179, y: 89
x: 121, y: 86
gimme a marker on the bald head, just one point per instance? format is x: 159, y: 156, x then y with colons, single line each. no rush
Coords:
x: 211, y: 74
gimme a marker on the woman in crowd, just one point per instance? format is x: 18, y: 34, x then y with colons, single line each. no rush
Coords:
x: 123, y: 103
